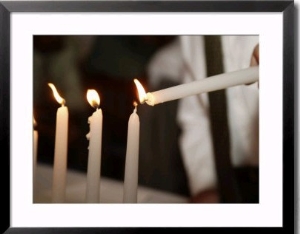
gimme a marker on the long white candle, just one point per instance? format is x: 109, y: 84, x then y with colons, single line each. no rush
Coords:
x: 213, y: 83
x: 132, y: 159
x: 94, y: 158
x: 60, y: 151
x: 35, y: 148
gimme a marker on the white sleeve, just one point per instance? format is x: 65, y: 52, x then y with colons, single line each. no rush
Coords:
x: 195, y: 144
x: 195, y: 140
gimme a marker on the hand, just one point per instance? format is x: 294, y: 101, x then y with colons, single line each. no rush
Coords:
x: 255, y: 57
x: 207, y: 196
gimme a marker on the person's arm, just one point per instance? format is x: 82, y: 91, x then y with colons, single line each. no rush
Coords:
x: 255, y: 59
x: 255, y: 56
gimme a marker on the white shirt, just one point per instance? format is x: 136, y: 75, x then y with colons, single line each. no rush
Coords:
x: 242, y: 104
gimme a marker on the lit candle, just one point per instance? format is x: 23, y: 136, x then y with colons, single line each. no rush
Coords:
x: 94, y: 158
x: 35, y: 147
x: 222, y: 81
x: 132, y: 152
x: 60, y: 151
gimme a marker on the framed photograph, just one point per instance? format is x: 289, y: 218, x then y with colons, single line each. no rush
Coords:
x: 180, y: 150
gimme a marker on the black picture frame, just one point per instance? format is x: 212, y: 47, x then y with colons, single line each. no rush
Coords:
x: 286, y: 7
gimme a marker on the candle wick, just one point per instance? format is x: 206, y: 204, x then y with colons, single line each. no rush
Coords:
x: 135, y: 104
x: 95, y: 105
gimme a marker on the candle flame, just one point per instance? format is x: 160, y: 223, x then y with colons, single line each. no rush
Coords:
x: 34, y: 122
x: 141, y: 91
x: 58, y: 98
x: 93, y: 98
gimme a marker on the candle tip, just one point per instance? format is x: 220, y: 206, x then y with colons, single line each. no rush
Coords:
x: 150, y: 99
x: 94, y: 104
x: 135, y: 104
x: 34, y: 123
x: 63, y: 102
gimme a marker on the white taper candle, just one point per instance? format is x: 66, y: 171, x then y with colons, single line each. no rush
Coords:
x: 132, y: 159
x: 213, y: 83
x: 60, y: 150
x: 35, y: 148
x: 95, y: 146
x: 60, y: 155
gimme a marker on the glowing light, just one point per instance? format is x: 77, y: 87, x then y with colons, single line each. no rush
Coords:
x: 141, y: 91
x: 34, y: 122
x: 58, y: 98
x: 93, y: 98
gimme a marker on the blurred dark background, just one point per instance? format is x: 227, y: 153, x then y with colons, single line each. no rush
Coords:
x: 107, y: 64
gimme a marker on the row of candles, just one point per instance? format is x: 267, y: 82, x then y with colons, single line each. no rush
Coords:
x: 222, y: 81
